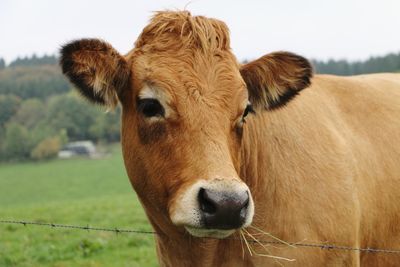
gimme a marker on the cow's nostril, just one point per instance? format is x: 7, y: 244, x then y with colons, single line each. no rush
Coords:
x: 206, y: 204
x: 223, y: 209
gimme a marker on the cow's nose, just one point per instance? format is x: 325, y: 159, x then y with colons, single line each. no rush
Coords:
x: 223, y: 210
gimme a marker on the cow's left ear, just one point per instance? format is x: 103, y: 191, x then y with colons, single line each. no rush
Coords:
x: 97, y: 70
x: 276, y: 78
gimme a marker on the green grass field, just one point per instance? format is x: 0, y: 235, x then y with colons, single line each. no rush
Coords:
x: 79, y: 192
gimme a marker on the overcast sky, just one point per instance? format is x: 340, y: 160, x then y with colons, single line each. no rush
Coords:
x: 322, y: 29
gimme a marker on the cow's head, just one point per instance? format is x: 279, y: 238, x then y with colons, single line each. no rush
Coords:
x: 185, y: 100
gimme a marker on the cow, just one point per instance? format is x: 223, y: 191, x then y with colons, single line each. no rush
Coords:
x: 224, y: 156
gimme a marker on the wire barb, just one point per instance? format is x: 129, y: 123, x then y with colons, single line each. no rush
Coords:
x: 327, y: 247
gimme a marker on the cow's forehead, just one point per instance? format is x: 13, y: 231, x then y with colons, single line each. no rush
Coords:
x: 189, y: 60
x: 176, y: 30
x: 191, y: 76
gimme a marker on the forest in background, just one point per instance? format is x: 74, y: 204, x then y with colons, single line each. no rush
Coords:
x: 387, y: 63
x: 39, y: 111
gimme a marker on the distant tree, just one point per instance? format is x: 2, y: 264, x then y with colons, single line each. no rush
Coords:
x: 46, y: 149
x: 107, y: 126
x: 17, y: 145
x: 63, y: 136
x: 71, y: 113
x: 8, y: 107
x: 30, y: 113
x: 41, y: 142
x: 2, y: 64
x: 41, y: 131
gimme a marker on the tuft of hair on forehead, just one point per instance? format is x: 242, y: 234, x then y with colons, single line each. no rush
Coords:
x: 179, y: 29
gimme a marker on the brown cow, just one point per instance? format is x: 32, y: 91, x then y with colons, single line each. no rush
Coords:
x: 322, y: 168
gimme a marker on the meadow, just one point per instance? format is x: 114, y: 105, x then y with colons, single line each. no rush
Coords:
x: 79, y: 191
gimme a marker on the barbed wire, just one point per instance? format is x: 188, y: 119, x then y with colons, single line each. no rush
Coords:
x: 127, y: 231
x: 87, y: 228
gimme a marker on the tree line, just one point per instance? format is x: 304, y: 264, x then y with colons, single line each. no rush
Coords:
x: 387, y: 63
x: 39, y: 111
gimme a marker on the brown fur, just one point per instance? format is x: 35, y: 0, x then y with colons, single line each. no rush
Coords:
x: 176, y: 30
x: 323, y: 168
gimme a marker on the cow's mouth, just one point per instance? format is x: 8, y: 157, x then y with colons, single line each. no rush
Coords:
x: 212, y: 233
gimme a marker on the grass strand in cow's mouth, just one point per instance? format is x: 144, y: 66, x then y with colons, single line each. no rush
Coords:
x: 243, y: 233
x: 271, y: 236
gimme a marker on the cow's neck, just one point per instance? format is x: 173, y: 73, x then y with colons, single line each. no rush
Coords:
x: 265, y: 159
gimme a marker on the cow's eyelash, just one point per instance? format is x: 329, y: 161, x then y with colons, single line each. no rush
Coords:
x: 249, y: 109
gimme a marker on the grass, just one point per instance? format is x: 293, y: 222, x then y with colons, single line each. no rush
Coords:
x: 76, y: 191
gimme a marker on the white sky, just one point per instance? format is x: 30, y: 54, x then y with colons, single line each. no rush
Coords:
x: 351, y: 29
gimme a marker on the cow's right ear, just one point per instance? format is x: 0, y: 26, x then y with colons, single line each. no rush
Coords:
x: 98, y: 71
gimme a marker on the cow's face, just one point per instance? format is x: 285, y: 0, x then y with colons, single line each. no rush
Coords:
x: 185, y: 101
x: 184, y: 123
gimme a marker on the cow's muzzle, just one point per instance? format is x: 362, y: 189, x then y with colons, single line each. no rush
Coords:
x: 213, y: 208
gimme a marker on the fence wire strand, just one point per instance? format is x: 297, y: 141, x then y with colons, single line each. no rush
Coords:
x: 130, y: 231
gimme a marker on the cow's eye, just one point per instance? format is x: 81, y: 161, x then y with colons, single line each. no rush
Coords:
x: 249, y: 109
x: 150, y: 107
